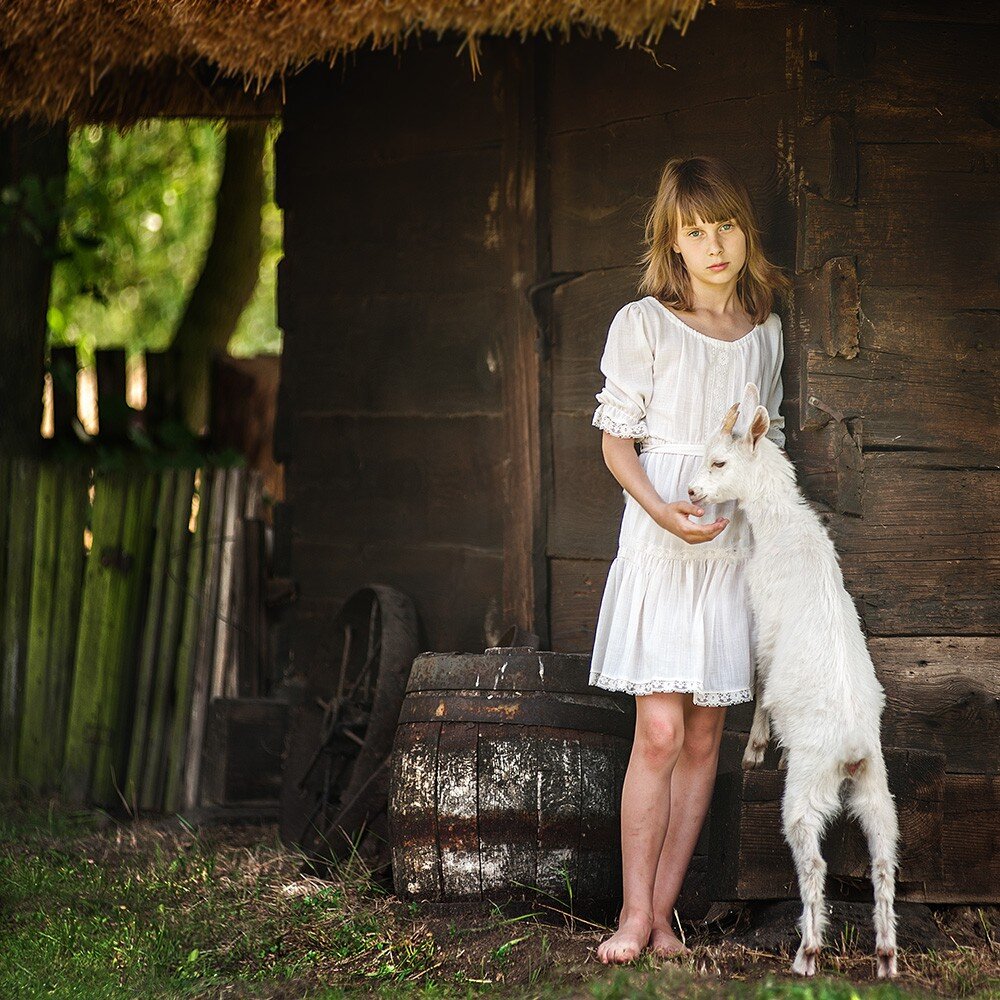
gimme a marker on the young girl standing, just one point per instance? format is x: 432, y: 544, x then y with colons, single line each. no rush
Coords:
x: 674, y: 623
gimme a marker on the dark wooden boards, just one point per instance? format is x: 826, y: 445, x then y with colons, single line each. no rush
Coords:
x: 747, y: 836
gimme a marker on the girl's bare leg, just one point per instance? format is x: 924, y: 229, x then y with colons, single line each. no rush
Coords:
x: 690, y: 795
x: 659, y: 734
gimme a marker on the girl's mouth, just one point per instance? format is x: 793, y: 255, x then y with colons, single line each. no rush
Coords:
x: 719, y: 267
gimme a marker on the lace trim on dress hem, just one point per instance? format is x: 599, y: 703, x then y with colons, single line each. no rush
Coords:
x: 694, y: 553
x: 623, y: 428
x: 712, y: 699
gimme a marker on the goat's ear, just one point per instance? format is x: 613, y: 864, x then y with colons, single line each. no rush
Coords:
x: 759, y: 424
x: 746, y: 407
x: 751, y: 398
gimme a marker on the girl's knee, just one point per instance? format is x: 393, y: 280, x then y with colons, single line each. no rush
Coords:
x: 659, y: 737
x: 703, y: 735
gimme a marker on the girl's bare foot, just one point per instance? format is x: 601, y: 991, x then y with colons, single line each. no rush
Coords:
x: 626, y: 944
x: 664, y: 943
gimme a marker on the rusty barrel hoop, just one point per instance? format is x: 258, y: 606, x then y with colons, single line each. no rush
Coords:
x: 506, y: 780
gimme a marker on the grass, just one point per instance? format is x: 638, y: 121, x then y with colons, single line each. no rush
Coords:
x: 92, y: 908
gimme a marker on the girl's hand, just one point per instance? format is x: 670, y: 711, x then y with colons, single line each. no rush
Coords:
x: 674, y: 517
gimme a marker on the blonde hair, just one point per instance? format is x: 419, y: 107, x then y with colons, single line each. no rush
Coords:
x: 708, y: 188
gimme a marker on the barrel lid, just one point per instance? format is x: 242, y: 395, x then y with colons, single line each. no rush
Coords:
x: 501, y: 668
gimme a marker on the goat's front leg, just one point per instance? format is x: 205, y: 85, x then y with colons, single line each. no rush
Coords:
x: 760, y: 728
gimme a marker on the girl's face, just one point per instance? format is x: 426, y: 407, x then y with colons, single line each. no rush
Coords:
x: 706, y: 245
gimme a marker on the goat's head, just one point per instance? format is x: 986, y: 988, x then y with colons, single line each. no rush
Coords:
x: 732, y: 452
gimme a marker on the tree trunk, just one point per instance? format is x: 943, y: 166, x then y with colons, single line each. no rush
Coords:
x: 33, y: 162
x: 229, y: 275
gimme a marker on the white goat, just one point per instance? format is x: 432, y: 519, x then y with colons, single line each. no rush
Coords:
x: 815, y: 680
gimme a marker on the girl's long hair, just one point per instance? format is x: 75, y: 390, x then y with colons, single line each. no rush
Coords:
x: 705, y: 187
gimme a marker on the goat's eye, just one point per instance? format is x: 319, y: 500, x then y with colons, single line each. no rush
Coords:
x: 718, y: 465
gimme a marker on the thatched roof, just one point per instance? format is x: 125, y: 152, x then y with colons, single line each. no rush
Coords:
x: 80, y: 58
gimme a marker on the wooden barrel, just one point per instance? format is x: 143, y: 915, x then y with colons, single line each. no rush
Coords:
x: 506, y: 780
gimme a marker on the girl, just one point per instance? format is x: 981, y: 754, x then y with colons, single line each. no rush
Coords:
x: 674, y: 624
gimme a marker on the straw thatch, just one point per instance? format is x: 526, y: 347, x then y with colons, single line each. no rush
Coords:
x: 83, y: 59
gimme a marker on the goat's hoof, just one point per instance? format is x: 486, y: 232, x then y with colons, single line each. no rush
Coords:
x: 886, y: 963
x: 753, y: 756
x: 805, y: 962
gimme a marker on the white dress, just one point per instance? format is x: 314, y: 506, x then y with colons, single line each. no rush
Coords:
x: 674, y: 615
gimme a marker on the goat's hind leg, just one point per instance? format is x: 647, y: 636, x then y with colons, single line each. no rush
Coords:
x: 760, y: 728
x: 811, y: 799
x: 871, y: 802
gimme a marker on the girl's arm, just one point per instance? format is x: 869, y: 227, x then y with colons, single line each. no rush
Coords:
x: 623, y: 462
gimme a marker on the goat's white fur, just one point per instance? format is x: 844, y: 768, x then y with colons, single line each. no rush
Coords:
x: 815, y: 682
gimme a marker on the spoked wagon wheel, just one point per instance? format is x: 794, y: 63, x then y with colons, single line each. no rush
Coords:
x: 336, y: 769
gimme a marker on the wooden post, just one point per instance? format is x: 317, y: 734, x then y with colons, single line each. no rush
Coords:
x: 523, y: 216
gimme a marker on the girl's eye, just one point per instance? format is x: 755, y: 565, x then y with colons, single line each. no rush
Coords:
x: 729, y: 224
x: 718, y: 465
x: 693, y: 231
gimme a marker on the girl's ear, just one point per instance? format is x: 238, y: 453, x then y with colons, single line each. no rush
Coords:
x: 759, y: 424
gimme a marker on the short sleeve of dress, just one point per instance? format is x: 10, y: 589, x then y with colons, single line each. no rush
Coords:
x: 776, y: 432
x: 627, y: 366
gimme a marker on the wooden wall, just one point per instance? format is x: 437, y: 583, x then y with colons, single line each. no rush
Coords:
x: 390, y: 410
x: 431, y: 442
x: 895, y: 334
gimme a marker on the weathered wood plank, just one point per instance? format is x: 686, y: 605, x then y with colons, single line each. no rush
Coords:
x: 603, y: 178
x: 89, y: 726
x: 899, y: 193
x: 582, y: 310
x: 74, y: 509
x: 381, y: 101
x: 174, y: 790
x: 227, y: 622
x: 508, y: 808
x: 942, y: 695
x: 559, y: 815
x: 201, y: 667
x: 577, y: 587
x: 146, y: 666
x: 457, y: 811
x: 119, y: 630
x: 16, y: 601
x: 900, y: 96
x: 416, y: 868
x: 426, y: 360
x: 456, y: 246
x: 523, y: 236
x: 588, y: 75
x: 754, y: 861
x: 36, y: 763
x: 166, y: 654
x: 921, y: 561
x: 403, y: 478
x: 924, y: 377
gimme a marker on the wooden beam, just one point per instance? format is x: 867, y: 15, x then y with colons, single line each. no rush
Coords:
x: 521, y: 218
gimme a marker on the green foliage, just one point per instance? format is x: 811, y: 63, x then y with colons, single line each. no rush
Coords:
x: 135, y: 228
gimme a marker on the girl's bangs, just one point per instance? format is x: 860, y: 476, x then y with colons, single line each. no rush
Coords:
x: 710, y: 204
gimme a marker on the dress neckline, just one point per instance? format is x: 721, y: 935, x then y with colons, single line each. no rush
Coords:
x: 698, y: 333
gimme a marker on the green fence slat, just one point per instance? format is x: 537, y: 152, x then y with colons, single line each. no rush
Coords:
x: 175, y: 591
x: 36, y: 764
x: 16, y: 603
